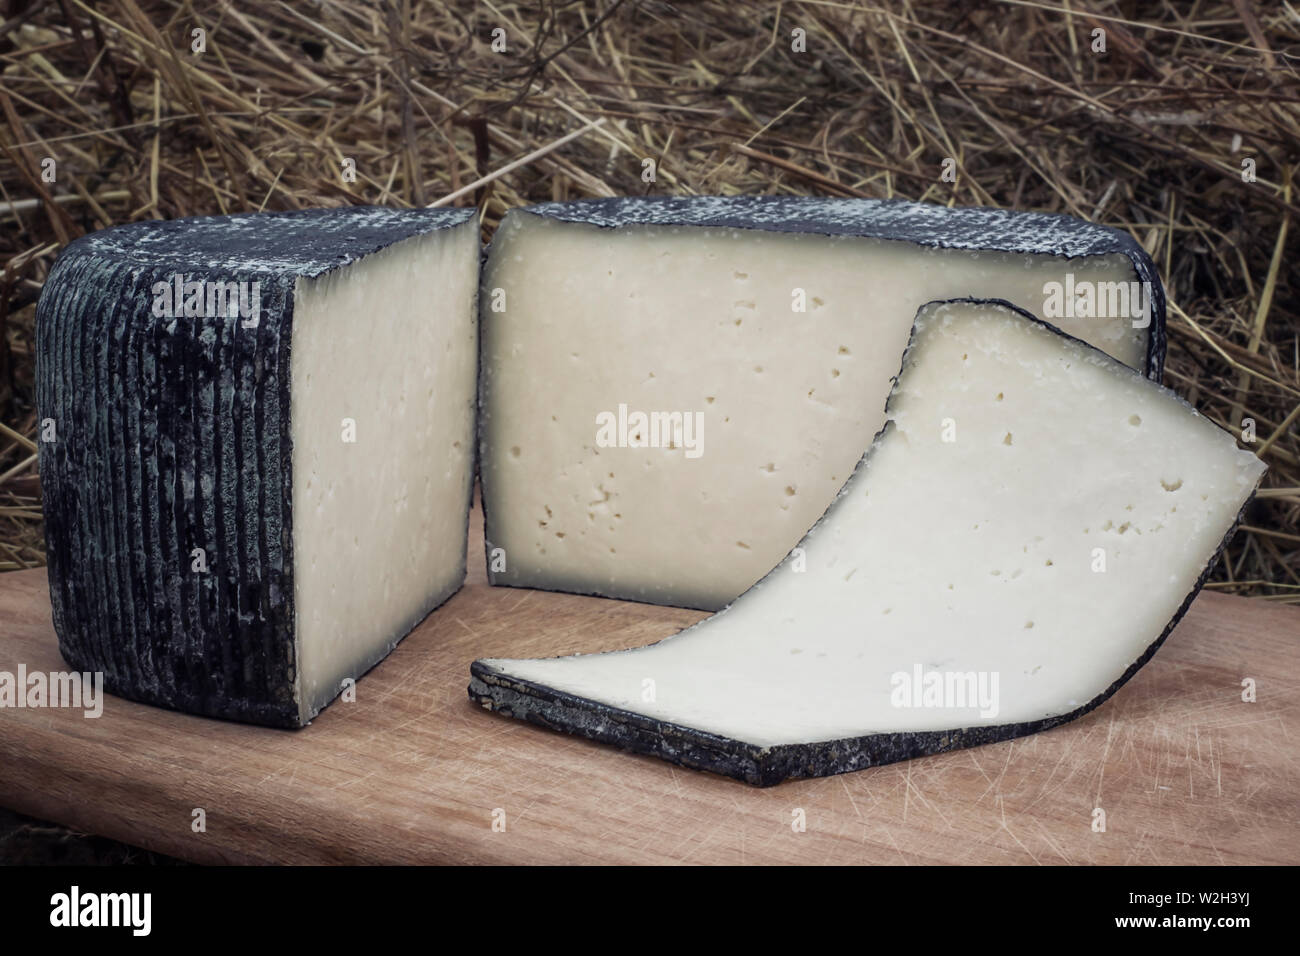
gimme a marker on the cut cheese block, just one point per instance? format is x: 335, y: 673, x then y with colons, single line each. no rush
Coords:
x: 1015, y: 544
x: 660, y: 422
x: 257, y: 449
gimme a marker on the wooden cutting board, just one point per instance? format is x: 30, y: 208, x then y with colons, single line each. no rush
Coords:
x: 1185, y: 771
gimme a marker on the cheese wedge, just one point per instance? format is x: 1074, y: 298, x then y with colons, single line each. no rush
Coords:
x: 257, y: 449
x: 674, y: 389
x: 1025, y: 531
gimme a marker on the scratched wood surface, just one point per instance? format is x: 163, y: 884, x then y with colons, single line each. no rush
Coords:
x: 412, y: 772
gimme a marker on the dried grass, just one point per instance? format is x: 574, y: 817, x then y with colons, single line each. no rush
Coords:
x: 1149, y: 137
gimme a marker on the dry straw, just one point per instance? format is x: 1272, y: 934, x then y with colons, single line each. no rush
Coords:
x: 1149, y: 136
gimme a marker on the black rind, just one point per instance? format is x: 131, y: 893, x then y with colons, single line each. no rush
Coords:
x: 767, y: 766
x: 305, y: 242
x: 173, y: 434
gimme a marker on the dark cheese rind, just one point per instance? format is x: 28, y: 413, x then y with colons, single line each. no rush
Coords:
x: 173, y: 434
x: 925, y: 224
x: 695, y: 749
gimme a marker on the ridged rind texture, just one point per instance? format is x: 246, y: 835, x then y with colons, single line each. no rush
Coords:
x: 925, y: 224
x: 695, y: 749
x: 307, y: 242
x: 173, y: 434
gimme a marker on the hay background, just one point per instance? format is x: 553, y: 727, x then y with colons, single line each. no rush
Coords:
x: 1148, y: 137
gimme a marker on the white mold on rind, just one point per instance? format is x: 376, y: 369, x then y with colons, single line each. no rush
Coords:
x: 174, y: 434
x: 494, y: 688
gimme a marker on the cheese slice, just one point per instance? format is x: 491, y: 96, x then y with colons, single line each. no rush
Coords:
x: 686, y: 312
x: 1016, y: 543
x: 250, y: 500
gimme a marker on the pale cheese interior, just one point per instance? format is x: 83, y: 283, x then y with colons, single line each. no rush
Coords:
x: 976, y: 555
x: 701, y: 320
x: 379, y: 524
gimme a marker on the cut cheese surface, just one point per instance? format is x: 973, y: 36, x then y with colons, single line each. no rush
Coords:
x: 380, y: 522
x: 759, y: 358
x: 1026, y: 529
x: 265, y: 425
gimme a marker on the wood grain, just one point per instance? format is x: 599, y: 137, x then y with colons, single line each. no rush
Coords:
x: 412, y: 772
